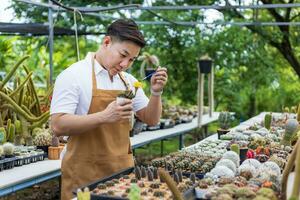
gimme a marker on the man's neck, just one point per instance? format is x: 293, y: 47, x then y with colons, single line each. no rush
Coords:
x: 98, y: 59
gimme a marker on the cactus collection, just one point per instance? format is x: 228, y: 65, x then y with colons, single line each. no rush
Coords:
x: 20, y: 110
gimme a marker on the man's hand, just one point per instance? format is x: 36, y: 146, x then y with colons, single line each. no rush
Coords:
x: 159, y: 79
x: 115, y: 112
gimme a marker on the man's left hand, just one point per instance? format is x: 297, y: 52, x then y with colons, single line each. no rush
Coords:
x: 159, y: 79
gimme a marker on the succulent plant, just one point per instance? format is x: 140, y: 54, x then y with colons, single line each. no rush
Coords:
x: 270, y: 166
x: 227, y: 163
x: 8, y: 149
x: 2, y: 135
x: 18, y: 140
x: 246, y: 168
x: 224, y: 120
x: 55, y: 141
x: 1, y: 150
x: 128, y: 94
x: 245, y: 192
x: 138, y: 173
x: 268, y: 121
x: 235, y: 148
x: 144, y: 173
x: 222, y: 171
x: 267, y: 193
x: 253, y: 162
x: 43, y: 139
x: 290, y: 129
x: 29, y: 140
x: 150, y: 175
x: 233, y: 156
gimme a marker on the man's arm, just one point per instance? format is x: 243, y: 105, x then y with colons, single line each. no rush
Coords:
x: 151, y: 114
x: 63, y: 124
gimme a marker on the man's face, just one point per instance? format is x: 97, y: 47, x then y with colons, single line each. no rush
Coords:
x: 119, y: 55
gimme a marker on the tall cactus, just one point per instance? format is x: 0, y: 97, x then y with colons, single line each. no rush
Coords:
x: 2, y: 135
x: 291, y: 127
x: 224, y: 120
x: 12, y: 71
x: 268, y: 121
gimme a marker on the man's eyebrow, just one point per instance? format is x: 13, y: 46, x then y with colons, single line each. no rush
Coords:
x: 126, y: 52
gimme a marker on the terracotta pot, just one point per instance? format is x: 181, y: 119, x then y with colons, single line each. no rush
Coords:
x: 54, y: 152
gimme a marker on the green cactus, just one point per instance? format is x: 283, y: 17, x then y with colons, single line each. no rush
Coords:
x: 18, y: 127
x: 235, y: 148
x: 291, y: 127
x: 11, y: 133
x: 55, y: 141
x: 21, y: 111
x: 18, y: 89
x: 83, y: 195
x: 12, y: 71
x: 268, y: 121
x: 135, y: 192
x: 2, y: 135
x: 8, y: 149
x: 224, y: 120
x: 43, y: 139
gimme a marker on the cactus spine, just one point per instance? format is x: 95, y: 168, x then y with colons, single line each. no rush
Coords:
x: 268, y: 120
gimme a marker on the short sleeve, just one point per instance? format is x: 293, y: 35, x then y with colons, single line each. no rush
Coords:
x: 66, y: 92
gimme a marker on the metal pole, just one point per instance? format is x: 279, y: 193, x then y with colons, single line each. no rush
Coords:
x: 50, y: 19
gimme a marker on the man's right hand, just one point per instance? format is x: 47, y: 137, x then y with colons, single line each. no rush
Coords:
x: 115, y: 112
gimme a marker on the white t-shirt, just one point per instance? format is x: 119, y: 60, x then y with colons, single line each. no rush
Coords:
x: 73, y: 88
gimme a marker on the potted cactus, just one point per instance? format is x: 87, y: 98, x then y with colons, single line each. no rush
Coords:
x: 8, y: 149
x: 224, y: 123
x: 291, y: 128
x: 43, y: 140
x: 54, y: 150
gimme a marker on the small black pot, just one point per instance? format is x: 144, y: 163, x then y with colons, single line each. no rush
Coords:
x: 243, y: 154
x: 205, y: 66
x: 44, y: 148
x: 222, y: 132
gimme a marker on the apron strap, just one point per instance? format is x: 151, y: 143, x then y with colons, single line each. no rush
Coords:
x: 122, y: 77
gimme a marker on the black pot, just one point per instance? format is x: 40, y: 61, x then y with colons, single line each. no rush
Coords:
x: 222, y: 132
x: 148, y: 72
x: 205, y: 66
x: 243, y: 154
x: 44, y: 148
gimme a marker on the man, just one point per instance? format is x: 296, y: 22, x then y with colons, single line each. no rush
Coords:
x: 84, y: 108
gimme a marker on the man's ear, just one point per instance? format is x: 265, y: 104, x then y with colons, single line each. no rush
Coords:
x: 107, y: 40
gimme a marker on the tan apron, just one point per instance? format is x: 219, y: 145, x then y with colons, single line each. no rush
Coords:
x: 99, y: 152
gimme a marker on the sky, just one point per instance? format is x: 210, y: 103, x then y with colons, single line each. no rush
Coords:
x: 5, y: 15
